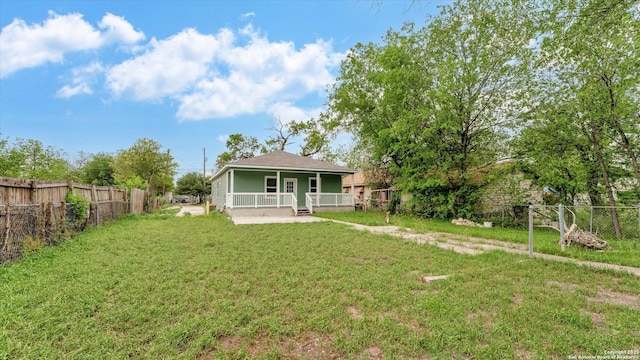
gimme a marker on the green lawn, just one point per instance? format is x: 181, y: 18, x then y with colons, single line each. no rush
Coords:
x: 199, y: 287
x: 621, y: 252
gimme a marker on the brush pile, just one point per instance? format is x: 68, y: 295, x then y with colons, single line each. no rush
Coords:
x: 584, y: 238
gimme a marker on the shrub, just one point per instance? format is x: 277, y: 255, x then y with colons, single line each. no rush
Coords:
x: 79, y: 207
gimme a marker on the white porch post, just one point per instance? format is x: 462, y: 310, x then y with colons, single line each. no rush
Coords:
x: 231, y: 181
x: 278, y: 189
x: 317, y: 189
x: 353, y: 189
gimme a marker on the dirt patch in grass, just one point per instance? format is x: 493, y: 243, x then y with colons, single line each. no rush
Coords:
x: 563, y: 285
x: 371, y: 353
x: 523, y: 354
x: 481, y: 316
x: 596, y: 319
x: 605, y: 296
x: 261, y: 344
x: 312, y: 346
x: 517, y: 299
x: 354, y: 313
x: 357, y: 259
x: 230, y: 343
x: 616, y: 298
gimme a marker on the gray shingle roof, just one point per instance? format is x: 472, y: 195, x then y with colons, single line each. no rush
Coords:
x: 285, y: 160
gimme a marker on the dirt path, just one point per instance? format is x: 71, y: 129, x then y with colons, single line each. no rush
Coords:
x: 474, y: 246
x: 191, y: 209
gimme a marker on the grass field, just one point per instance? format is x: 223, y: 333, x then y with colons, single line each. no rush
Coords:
x: 621, y: 252
x: 201, y: 288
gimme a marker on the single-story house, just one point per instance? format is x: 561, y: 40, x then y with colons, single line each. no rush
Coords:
x: 279, y: 184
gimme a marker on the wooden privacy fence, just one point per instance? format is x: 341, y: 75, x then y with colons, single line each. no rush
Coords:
x: 34, y: 213
x: 137, y: 201
x: 27, y: 191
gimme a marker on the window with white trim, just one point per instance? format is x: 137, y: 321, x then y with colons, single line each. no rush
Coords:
x: 270, y: 184
x: 313, y: 185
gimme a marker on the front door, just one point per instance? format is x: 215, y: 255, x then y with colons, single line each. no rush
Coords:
x: 291, y: 187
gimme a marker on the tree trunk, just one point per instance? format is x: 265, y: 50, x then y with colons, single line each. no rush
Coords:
x: 593, y: 175
x: 613, y: 119
x: 608, y: 187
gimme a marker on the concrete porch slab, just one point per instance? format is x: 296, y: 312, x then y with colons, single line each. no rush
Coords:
x: 245, y: 220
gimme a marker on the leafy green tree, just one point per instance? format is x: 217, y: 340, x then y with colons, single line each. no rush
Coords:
x: 191, y: 184
x: 437, y: 103
x: 30, y: 159
x: 240, y: 147
x: 99, y: 170
x: 315, y: 134
x: 145, y: 161
x: 584, y: 131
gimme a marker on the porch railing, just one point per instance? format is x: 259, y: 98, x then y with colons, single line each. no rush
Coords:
x: 260, y: 200
x: 309, y: 202
x: 288, y: 199
x: 329, y: 199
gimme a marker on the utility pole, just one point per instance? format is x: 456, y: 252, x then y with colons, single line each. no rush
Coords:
x: 204, y: 171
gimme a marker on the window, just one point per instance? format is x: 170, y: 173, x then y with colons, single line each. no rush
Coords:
x: 270, y: 184
x: 313, y: 185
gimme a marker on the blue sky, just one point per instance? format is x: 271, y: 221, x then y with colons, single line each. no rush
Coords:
x: 94, y: 76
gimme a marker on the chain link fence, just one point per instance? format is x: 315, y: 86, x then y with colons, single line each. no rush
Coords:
x: 597, y: 220
x: 30, y: 227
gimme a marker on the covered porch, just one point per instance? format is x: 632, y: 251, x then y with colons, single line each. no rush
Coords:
x: 300, y: 191
x: 279, y: 182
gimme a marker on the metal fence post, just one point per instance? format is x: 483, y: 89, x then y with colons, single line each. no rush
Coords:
x: 561, y: 225
x: 531, y: 231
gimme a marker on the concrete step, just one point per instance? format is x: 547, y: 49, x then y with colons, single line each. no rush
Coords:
x: 303, y: 212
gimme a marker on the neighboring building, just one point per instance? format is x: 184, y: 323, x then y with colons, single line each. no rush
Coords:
x: 508, y: 187
x: 363, y: 193
x: 280, y: 183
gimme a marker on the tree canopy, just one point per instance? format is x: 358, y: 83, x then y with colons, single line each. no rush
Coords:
x: 30, y: 159
x: 191, y: 184
x: 145, y: 160
x: 553, y: 84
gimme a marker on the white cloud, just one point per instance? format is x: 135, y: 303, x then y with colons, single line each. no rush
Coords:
x: 261, y: 74
x: 210, y: 75
x: 82, y: 80
x: 118, y: 30
x: 247, y: 15
x: 288, y: 112
x: 169, y: 67
x: 223, y: 138
x: 68, y: 91
x: 24, y: 46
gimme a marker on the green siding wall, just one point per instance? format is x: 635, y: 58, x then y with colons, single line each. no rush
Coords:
x: 253, y: 181
x: 331, y: 184
x: 250, y: 181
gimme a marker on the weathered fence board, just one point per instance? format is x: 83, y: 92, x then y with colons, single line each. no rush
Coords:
x: 137, y: 201
x: 27, y: 191
x: 34, y: 213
